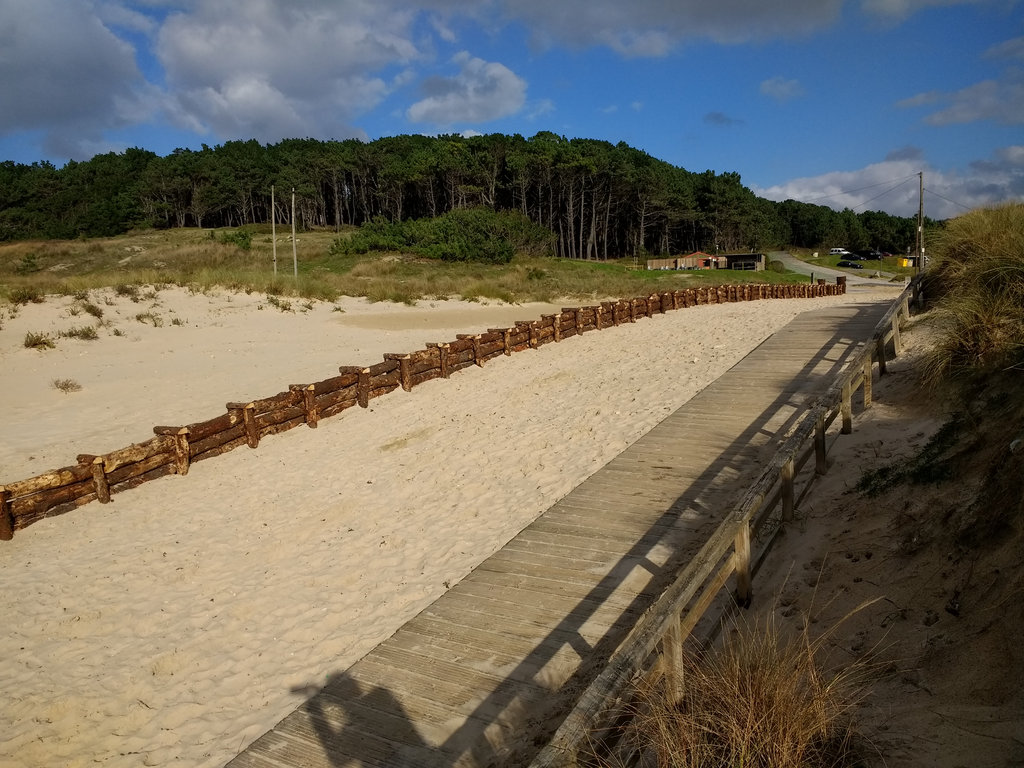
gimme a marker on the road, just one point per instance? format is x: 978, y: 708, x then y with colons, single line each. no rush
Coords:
x: 804, y: 268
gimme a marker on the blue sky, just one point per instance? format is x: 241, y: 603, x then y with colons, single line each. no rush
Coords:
x: 840, y: 103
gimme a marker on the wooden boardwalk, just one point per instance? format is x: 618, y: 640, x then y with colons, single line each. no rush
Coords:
x: 483, y: 676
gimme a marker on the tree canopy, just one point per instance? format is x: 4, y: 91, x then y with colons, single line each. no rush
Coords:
x: 600, y: 200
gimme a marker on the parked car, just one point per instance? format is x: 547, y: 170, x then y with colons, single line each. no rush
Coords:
x: 838, y: 252
x: 850, y: 265
x: 868, y: 253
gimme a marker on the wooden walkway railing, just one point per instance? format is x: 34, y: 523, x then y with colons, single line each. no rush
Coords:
x: 654, y: 646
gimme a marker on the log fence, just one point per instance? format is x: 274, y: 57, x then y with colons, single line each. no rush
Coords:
x: 653, y: 649
x: 173, y: 449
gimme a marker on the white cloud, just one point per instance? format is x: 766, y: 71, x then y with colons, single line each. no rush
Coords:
x: 481, y: 91
x: 66, y: 74
x: 655, y: 27
x: 1001, y: 101
x: 892, y: 185
x: 897, y: 10
x: 781, y: 89
x: 268, y: 70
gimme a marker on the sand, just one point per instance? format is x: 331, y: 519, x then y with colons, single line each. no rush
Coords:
x: 170, y: 626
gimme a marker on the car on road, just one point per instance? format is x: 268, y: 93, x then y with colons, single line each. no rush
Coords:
x: 849, y: 264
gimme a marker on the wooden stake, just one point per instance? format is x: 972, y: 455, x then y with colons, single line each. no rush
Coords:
x: 363, y: 388
x: 181, y: 455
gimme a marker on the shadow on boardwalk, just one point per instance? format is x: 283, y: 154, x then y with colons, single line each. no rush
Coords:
x: 359, y: 719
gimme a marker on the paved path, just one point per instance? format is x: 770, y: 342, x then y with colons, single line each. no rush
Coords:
x: 483, y: 676
x: 794, y: 264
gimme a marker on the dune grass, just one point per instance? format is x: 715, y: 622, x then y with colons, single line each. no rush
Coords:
x: 977, y: 274
x: 757, y: 700
x: 204, y: 260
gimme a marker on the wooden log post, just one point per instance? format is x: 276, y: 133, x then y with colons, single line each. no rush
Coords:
x: 880, y: 353
x: 6, y: 518
x: 556, y: 325
x: 847, y: 408
x: 308, y: 403
x: 897, y: 343
x: 99, y: 480
x: 363, y: 388
x: 475, y: 338
x: 820, y: 447
x: 534, y: 334
x: 404, y: 368
x: 182, y: 457
x: 867, y: 380
x: 741, y: 545
x: 672, y: 658
x: 506, y: 339
x: 786, y: 481
x: 246, y: 413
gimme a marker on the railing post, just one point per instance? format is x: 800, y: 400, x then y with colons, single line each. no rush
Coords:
x: 742, y: 555
x: 847, y: 408
x: 820, y: 447
x: 868, y: 371
x: 897, y: 344
x: 99, y: 480
x: 786, y: 479
x: 672, y: 655
x: 880, y: 351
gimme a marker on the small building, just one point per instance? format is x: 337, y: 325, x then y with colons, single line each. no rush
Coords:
x: 701, y: 260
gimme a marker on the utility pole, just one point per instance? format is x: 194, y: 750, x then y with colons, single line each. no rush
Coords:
x: 295, y: 257
x: 920, y: 221
x: 273, y: 227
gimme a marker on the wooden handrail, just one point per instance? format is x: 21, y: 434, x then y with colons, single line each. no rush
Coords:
x: 664, y: 624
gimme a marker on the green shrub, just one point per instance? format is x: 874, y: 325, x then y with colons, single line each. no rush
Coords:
x: 29, y: 263
x: 84, y: 333
x: 465, y: 234
x: 242, y: 238
x: 26, y: 294
x: 39, y: 341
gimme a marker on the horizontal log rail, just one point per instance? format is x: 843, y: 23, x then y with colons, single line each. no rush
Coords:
x: 175, y: 448
x: 653, y: 647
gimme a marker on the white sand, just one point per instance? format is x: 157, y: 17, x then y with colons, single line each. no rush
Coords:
x: 169, y: 627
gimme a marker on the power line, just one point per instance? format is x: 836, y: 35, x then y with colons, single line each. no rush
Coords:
x: 899, y: 182
x: 954, y: 202
x: 883, y: 194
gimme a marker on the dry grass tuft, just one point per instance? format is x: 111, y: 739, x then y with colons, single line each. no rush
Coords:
x: 979, y: 276
x: 66, y: 385
x: 760, y: 700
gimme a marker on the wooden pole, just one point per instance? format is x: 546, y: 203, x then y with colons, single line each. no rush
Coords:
x: 295, y: 254
x: 880, y: 352
x: 273, y: 227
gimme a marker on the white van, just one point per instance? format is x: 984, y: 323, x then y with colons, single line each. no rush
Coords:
x: 838, y: 252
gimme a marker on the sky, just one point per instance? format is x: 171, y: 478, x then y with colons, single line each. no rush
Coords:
x: 835, y: 102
